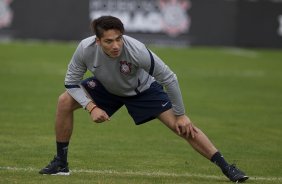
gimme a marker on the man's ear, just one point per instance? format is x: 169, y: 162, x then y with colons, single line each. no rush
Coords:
x: 98, y: 41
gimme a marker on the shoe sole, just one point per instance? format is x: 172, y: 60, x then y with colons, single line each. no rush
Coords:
x: 61, y: 174
x: 241, y: 180
x: 58, y: 174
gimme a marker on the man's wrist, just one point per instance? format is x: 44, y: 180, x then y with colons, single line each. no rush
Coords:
x: 90, y: 107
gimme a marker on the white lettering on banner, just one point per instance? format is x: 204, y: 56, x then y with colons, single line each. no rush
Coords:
x: 139, y: 22
x: 279, y: 31
x: 6, y: 14
x: 149, y: 16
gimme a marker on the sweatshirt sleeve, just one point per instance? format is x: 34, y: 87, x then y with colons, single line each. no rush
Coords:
x: 164, y: 75
x: 75, y: 72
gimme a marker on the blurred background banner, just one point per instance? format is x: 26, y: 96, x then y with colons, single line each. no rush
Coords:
x: 259, y: 23
x: 6, y: 17
x: 146, y: 16
x: 242, y: 23
x: 158, y: 21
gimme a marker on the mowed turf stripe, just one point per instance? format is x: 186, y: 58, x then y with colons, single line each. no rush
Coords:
x: 140, y: 173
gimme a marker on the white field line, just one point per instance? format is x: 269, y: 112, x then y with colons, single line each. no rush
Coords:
x: 241, y: 52
x: 138, y: 173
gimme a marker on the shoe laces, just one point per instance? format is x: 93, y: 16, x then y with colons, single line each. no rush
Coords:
x: 233, y: 167
x: 230, y: 169
x: 55, y: 159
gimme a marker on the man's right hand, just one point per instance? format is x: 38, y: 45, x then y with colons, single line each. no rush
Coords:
x: 99, y: 116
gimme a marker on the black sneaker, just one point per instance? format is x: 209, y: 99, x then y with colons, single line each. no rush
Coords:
x: 56, y: 167
x: 234, y: 174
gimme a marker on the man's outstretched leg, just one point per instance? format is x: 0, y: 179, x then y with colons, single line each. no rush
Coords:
x: 200, y: 142
x: 63, y: 128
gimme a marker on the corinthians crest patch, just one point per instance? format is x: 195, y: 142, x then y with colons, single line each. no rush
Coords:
x: 125, y: 67
x: 91, y: 84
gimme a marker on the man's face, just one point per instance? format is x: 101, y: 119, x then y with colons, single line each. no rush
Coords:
x: 111, y: 42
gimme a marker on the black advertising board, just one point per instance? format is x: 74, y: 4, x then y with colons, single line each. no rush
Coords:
x: 244, y: 23
x: 259, y: 23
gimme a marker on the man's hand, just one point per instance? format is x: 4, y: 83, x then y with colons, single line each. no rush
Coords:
x: 99, y: 116
x: 185, y: 127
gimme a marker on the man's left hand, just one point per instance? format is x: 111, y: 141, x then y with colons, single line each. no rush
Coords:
x: 185, y: 127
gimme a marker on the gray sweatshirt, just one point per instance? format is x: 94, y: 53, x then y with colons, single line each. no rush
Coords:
x: 127, y: 75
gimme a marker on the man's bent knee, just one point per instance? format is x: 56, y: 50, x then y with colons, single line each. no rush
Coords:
x: 67, y: 102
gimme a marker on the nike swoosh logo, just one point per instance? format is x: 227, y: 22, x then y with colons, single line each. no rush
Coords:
x: 164, y: 104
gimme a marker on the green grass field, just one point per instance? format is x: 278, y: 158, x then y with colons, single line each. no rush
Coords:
x: 234, y: 95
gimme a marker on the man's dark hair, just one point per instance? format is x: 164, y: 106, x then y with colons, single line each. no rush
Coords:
x: 105, y: 23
